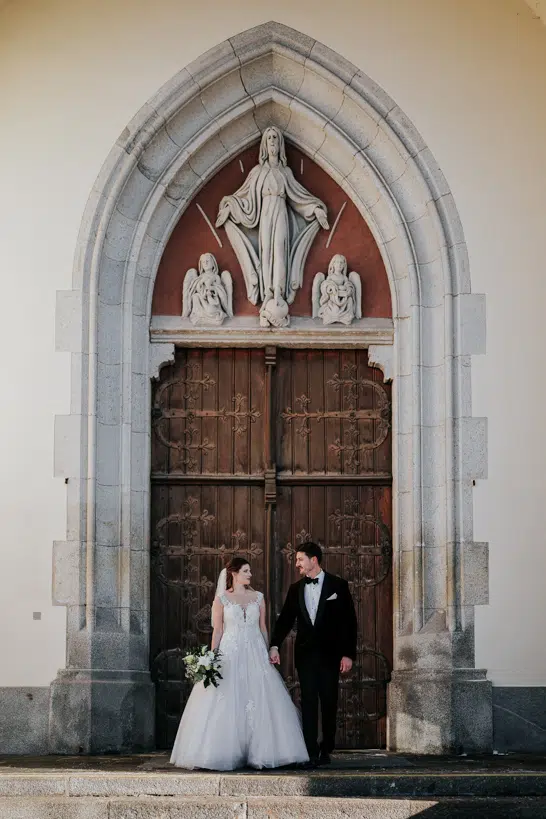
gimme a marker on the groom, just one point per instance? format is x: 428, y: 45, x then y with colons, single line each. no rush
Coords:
x: 322, y: 605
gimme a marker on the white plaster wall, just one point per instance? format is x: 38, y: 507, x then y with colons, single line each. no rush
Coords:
x: 469, y: 73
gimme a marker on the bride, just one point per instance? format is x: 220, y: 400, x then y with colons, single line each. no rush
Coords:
x: 249, y: 719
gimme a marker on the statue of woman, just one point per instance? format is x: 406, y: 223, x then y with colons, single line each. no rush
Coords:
x: 337, y: 297
x: 207, y: 295
x: 287, y: 219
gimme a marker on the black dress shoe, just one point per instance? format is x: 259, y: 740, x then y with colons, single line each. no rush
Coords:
x: 324, y: 759
x: 311, y: 764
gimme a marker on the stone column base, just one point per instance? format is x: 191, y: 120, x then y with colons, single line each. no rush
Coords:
x: 101, y: 712
x: 439, y: 712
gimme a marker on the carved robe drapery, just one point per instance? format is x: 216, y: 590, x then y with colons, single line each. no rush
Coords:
x: 268, y: 202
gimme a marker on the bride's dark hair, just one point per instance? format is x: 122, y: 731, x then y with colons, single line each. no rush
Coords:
x: 235, y: 565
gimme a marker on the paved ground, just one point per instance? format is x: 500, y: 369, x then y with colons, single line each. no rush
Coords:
x: 348, y: 761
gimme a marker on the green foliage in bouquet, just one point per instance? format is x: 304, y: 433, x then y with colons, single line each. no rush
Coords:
x: 203, y: 666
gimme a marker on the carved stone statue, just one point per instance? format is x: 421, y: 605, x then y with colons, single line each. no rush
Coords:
x: 271, y: 222
x: 337, y: 297
x: 207, y: 296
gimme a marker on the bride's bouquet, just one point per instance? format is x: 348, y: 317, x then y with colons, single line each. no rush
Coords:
x: 203, y: 665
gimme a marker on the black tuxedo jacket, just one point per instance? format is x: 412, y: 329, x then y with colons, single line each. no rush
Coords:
x: 333, y: 635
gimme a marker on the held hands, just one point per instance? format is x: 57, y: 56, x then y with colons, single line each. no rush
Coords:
x: 274, y: 656
x: 345, y: 665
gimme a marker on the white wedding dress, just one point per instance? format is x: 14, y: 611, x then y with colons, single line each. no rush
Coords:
x: 249, y: 719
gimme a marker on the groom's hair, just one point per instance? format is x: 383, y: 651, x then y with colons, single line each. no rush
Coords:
x: 311, y: 550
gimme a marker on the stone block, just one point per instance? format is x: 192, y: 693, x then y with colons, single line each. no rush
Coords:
x: 136, y: 192
x: 433, y: 448
x: 432, y: 173
x: 462, y: 386
x: 182, y: 185
x: 148, y: 784
x: 434, y: 282
x: 158, y: 808
x: 435, y: 575
x: 66, y: 573
x: 433, y: 396
x: 240, y: 133
x: 109, y: 334
x: 406, y: 534
x: 58, y: 807
x: 471, y: 447
x: 119, y: 237
x: 140, y: 407
x: 224, y: 94
x: 109, y: 395
x: 519, y: 719
x: 159, y: 224
x: 141, y: 293
x: 340, y: 808
x: 24, y: 715
x: 108, y: 464
x: 68, y: 321
x: 400, y: 258
x: 387, y: 222
x: 471, y: 309
x: 404, y: 347
x: 307, y: 133
x: 388, y: 155
x: 410, y: 193
x: 372, y: 93
x: 336, y: 154
x: 123, y: 723
x: 31, y: 786
x: 332, y: 64
x: 433, y: 500
x: 188, y: 122
x: 404, y: 444
x: 76, y: 507
x: 459, y: 266
x: 160, y: 354
x: 139, y: 533
x: 432, y: 336
x: 79, y: 369
x: 107, y: 499
x: 111, y: 279
x: 271, y: 112
x: 405, y: 130
x: 206, y: 159
x: 475, y: 590
x: 405, y: 585
x: 274, y: 35
x: 67, y: 438
x: 140, y: 461
x: 405, y: 295
x: 322, y: 95
x: 214, y: 63
x: 450, y: 220
x: 426, y: 239
x: 435, y: 712
x: 152, y: 164
x: 106, y: 571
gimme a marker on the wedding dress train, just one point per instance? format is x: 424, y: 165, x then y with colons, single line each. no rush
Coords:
x: 249, y: 719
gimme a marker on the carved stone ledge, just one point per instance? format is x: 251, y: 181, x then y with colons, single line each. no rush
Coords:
x: 382, y: 357
x: 159, y: 354
x: 245, y: 331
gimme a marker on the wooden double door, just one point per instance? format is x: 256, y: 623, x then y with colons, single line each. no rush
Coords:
x: 254, y: 452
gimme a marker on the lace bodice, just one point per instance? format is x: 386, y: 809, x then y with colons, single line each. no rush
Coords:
x: 241, y: 623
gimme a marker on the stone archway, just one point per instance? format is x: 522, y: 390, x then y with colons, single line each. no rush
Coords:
x: 209, y: 112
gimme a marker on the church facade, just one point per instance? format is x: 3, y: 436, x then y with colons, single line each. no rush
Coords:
x: 289, y: 311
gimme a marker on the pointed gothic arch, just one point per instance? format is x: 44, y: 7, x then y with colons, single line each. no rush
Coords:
x: 197, y: 122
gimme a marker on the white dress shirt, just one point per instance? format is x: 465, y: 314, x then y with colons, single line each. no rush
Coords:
x: 312, y: 596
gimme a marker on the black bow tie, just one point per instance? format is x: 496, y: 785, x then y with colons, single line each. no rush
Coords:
x: 311, y: 580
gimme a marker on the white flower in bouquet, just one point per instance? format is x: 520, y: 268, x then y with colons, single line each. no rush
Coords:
x: 203, y: 666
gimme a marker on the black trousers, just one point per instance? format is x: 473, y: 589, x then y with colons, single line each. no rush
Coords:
x: 318, y: 683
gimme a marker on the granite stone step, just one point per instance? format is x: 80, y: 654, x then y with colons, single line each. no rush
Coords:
x: 209, y: 807
x: 314, y: 785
